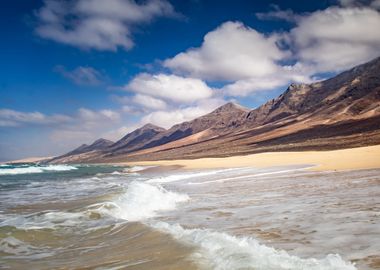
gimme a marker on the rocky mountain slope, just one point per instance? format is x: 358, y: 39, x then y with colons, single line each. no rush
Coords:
x: 343, y: 111
x: 136, y: 139
x: 98, y: 145
x: 353, y: 92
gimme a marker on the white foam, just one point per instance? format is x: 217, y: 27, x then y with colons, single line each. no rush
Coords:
x: 137, y: 168
x: 142, y: 201
x: 44, y: 220
x: 16, y: 247
x: 221, y: 251
x: 36, y: 169
x: 221, y: 180
x: 178, y: 177
x: 59, y: 168
x: 11, y: 245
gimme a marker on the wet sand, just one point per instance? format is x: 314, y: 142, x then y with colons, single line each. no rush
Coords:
x: 345, y: 159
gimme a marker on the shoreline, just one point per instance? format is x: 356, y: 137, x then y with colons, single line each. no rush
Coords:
x: 344, y: 159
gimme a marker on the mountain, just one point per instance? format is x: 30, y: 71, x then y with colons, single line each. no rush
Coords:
x: 97, y: 145
x: 136, y: 139
x: 343, y: 111
x: 353, y: 92
x: 220, y: 121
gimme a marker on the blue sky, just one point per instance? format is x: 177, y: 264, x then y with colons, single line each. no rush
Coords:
x: 75, y: 71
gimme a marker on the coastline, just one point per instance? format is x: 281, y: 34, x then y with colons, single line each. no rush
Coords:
x: 28, y: 160
x: 344, y: 159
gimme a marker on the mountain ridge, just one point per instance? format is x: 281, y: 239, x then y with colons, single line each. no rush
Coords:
x: 327, y: 108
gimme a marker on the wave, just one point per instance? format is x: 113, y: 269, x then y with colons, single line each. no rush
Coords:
x: 15, y: 247
x: 222, y: 180
x: 142, y: 201
x: 36, y: 169
x: 178, y: 177
x: 137, y: 168
x: 221, y: 251
x: 44, y: 220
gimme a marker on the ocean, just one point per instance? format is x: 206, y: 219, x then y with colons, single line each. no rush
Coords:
x: 114, y: 217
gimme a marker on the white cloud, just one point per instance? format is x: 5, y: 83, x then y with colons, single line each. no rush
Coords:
x: 87, y: 119
x: 169, y: 118
x: 12, y: 118
x: 149, y: 102
x: 336, y: 39
x: 133, y: 110
x: 170, y: 87
x: 282, y: 78
x: 81, y: 75
x: 83, y: 119
x: 278, y: 14
x: 87, y: 125
x: 233, y: 51
x: 375, y: 4
x: 360, y: 3
x: 97, y: 24
x: 330, y: 40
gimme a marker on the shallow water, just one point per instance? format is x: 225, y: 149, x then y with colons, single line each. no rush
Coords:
x: 107, y: 217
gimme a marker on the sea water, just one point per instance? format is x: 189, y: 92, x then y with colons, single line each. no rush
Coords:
x: 113, y: 217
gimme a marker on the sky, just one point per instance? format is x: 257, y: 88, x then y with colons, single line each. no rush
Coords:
x: 75, y: 71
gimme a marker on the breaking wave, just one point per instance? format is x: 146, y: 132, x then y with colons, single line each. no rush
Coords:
x: 35, y: 169
x: 142, y: 201
x: 221, y: 251
x: 178, y: 177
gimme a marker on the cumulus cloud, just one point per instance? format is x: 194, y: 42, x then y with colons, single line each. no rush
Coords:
x: 330, y: 40
x: 169, y: 118
x: 360, y: 3
x: 336, y: 39
x: 149, y: 102
x: 81, y: 75
x: 231, y: 52
x: 132, y: 109
x: 376, y: 4
x: 97, y: 24
x: 169, y: 87
x: 86, y: 126
x: 89, y: 118
x: 284, y: 75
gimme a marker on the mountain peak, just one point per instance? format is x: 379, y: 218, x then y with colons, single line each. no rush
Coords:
x: 151, y: 126
x: 231, y: 106
x: 101, y: 140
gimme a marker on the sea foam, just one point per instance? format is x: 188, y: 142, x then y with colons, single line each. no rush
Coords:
x: 36, y: 169
x: 184, y: 176
x: 142, y: 201
x: 221, y: 251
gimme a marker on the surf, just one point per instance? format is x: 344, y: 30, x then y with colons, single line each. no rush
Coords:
x: 13, y: 170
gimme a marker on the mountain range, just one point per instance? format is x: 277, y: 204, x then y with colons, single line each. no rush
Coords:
x: 341, y: 112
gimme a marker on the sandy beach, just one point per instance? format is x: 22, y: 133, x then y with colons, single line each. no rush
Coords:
x: 345, y: 159
x: 29, y: 160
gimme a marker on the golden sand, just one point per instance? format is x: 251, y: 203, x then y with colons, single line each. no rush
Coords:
x: 345, y: 159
